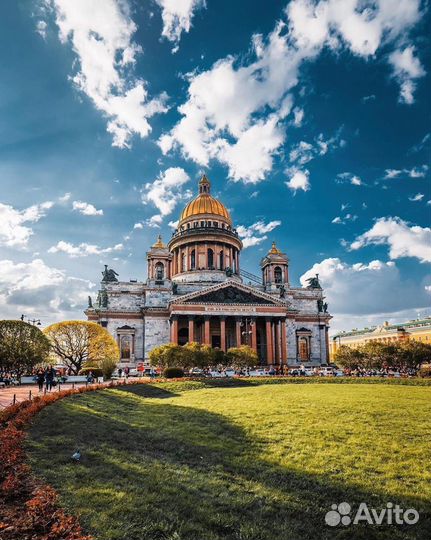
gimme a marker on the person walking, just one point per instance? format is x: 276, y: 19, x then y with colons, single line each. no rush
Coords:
x: 49, y: 378
x: 40, y: 378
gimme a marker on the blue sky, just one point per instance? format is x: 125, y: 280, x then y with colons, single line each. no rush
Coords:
x: 312, y: 120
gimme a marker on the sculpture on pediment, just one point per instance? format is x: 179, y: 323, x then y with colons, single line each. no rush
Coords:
x: 174, y: 288
x: 229, y: 272
x: 230, y: 295
x: 320, y: 305
x: 109, y: 274
x: 90, y: 303
x: 313, y: 282
x: 282, y: 290
x: 325, y: 307
x: 102, y: 299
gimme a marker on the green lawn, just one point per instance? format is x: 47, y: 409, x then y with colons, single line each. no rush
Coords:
x: 182, y: 461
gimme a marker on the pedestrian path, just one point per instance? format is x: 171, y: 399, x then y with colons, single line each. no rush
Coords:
x: 28, y: 391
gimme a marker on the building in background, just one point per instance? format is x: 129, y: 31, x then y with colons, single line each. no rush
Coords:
x: 419, y: 329
x: 195, y: 291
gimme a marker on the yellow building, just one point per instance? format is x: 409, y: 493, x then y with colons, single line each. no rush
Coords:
x: 419, y: 329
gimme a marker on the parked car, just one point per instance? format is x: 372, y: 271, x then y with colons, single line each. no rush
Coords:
x: 196, y: 372
x: 258, y: 373
x: 228, y: 372
x: 326, y: 371
x: 215, y: 373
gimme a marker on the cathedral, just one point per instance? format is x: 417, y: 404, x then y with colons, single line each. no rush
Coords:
x: 196, y: 291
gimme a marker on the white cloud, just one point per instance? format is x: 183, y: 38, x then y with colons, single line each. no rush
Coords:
x: 403, y: 240
x: 166, y: 191
x: 230, y: 98
x: 100, y: 32
x: 138, y: 226
x: 83, y: 249
x: 256, y: 233
x: 64, y: 198
x: 173, y: 224
x: 41, y: 28
x: 41, y: 291
x: 353, y: 179
x: 86, y: 209
x: 298, y: 180
x: 154, y: 221
x: 415, y: 172
x: 13, y: 232
x: 298, y: 116
x: 362, y: 294
x: 406, y: 68
x: 392, y: 173
x: 177, y: 17
x: 417, y: 197
x: 343, y: 220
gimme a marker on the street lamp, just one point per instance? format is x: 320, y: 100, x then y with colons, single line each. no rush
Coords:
x: 34, y: 322
x: 248, y: 324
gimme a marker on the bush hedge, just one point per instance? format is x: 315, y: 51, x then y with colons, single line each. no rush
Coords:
x: 173, y: 372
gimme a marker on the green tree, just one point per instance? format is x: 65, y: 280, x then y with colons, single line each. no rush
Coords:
x: 412, y: 354
x: 75, y: 343
x: 22, y: 346
x: 241, y: 357
x: 349, y: 357
x: 169, y: 355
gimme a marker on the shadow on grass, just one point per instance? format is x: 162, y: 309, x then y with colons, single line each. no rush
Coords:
x: 148, y: 391
x: 160, y: 471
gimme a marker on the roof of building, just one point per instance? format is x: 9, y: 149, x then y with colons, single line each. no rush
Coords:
x: 159, y: 244
x: 205, y: 203
x: 418, y: 323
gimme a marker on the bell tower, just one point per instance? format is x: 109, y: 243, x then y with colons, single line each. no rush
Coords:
x: 159, y: 263
x: 275, y: 269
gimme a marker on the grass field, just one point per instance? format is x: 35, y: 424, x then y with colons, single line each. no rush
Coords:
x: 182, y: 461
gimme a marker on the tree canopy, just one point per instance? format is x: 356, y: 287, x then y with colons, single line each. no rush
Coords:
x: 22, y: 346
x: 409, y: 354
x: 241, y: 357
x: 76, y: 343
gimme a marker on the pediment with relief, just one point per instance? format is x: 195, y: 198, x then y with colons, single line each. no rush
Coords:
x: 229, y: 293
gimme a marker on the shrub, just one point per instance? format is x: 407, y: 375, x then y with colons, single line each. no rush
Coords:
x: 96, y: 371
x: 173, y: 372
x: 107, y: 365
x: 425, y: 371
x: 239, y: 357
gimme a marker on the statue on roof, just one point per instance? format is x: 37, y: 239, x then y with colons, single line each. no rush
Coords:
x: 313, y: 282
x: 90, y: 303
x: 109, y: 275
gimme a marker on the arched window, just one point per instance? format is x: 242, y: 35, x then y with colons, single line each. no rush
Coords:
x: 304, y: 353
x: 210, y: 258
x: 221, y: 261
x: 125, y: 346
x: 160, y: 271
x: 193, y: 259
x: 183, y: 262
x: 278, y: 275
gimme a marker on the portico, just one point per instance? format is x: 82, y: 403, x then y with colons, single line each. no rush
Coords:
x: 231, y: 315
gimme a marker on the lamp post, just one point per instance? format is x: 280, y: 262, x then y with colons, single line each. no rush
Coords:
x: 247, y: 324
x: 34, y: 322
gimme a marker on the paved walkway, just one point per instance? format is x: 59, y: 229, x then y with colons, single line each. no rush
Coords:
x: 22, y: 393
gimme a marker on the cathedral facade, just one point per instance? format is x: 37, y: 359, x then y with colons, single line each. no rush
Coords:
x: 196, y: 291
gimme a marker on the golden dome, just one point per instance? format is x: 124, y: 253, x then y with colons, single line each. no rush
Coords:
x: 159, y: 244
x: 274, y: 250
x: 204, y: 203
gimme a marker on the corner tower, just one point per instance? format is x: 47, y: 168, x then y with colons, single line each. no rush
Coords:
x: 275, y: 269
x: 205, y: 246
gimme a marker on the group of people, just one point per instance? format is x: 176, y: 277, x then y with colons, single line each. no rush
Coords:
x: 8, y: 378
x: 46, y: 377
